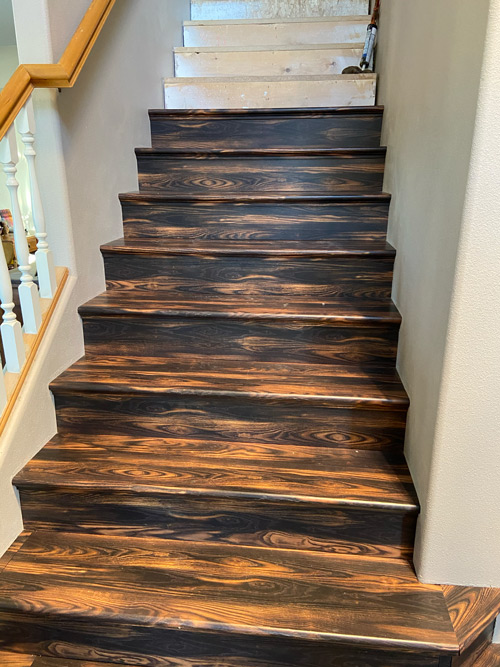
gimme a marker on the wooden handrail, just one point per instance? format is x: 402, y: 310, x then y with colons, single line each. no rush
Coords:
x: 60, y: 75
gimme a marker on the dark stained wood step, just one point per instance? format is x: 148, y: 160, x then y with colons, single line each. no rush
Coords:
x: 346, y: 386
x: 123, y: 301
x: 262, y: 216
x: 346, y: 501
x: 188, y: 601
x: 331, y: 336
x: 347, y: 127
x: 335, y: 171
x: 259, y: 270
x: 205, y: 398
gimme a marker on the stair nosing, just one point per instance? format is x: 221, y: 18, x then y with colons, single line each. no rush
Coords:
x: 225, y: 249
x: 65, y: 387
x: 264, y: 496
x: 117, y: 311
x: 197, y: 114
x: 153, y: 195
x: 249, y: 153
x: 342, y: 18
x: 208, y: 627
x: 334, y: 46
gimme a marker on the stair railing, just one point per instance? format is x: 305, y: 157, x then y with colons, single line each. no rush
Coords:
x: 17, y: 121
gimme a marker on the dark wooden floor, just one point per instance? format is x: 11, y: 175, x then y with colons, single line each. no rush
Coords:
x: 228, y: 486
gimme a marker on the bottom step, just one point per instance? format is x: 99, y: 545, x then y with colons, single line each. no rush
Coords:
x: 120, y: 600
x: 270, y: 92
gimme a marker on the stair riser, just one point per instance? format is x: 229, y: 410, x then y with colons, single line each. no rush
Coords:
x: 249, y: 9
x: 330, y: 175
x: 317, y: 62
x: 159, y: 647
x: 283, y: 524
x: 200, y: 132
x: 276, y: 34
x: 358, y: 277
x: 194, y: 93
x: 286, y: 221
x: 277, y: 341
x: 231, y: 419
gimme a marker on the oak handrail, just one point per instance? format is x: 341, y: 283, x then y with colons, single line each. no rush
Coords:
x: 58, y: 75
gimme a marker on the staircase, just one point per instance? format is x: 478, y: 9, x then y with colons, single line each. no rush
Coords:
x: 228, y: 486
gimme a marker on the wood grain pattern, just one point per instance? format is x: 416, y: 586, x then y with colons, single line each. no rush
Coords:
x: 243, y: 338
x: 207, y: 270
x: 197, y: 589
x: 152, y: 647
x: 14, y: 548
x: 342, y: 386
x: 201, y: 417
x: 355, y: 127
x: 473, y: 654
x: 309, y: 218
x: 471, y: 610
x: 228, y: 485
x: 15, y: 659
x: 363, y: 502
x: 357, y: 171
x: 489, y: 658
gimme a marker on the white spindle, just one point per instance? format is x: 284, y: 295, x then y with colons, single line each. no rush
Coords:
x: 26, y: 127
x: 12, y: 335
x: 28, y: 291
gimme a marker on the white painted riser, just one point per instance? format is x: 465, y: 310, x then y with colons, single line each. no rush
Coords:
x: 248, y: 9
x: 292, y: 32
x: 282, y: 62
x: 270, y: 92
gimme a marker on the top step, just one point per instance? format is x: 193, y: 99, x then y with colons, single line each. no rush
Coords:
x: 250, y: 9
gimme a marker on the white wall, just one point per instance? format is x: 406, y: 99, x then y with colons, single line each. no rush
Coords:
x: 87, y: 137
x: 8, y: 64
x: 431, y: 62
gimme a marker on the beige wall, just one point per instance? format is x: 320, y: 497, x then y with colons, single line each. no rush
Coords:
x: 430, y: 62
x: 86, y: 142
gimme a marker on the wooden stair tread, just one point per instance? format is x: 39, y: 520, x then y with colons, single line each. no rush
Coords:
x: 172, y: 246
x: 228, y: 589
x: 311, y: 112
x: 267, y: 197
x: 121, y: 302
x: 351, y: 386
x: 314, y: 19
x: 249, y: 153
x: 163, y: 466
x: 277, y: 47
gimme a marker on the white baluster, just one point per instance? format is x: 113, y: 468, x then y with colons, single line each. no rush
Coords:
x: 12, y: 335
x: 26, y: 127
x: 28, y: 291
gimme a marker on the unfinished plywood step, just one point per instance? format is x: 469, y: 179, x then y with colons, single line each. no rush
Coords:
x: 320, y: 59
x: 269, y: 32
x: 270, y: 91
x: 248, y: 9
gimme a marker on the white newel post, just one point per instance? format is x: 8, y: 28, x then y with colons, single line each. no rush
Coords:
x: 28, y: 291
x: 3, y: 392
x: 12, y: 335
x: 26, y: 127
